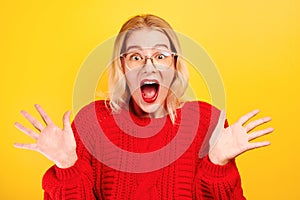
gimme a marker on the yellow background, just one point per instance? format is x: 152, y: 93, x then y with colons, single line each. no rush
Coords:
x: 255, y: 45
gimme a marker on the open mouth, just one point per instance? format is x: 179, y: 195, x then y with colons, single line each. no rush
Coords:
x: 149, y: 90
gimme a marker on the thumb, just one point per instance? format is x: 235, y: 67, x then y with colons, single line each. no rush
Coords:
x: 222, y: 118
x: 218, y: 129
x: 214, y: 136
x: 66, y: 121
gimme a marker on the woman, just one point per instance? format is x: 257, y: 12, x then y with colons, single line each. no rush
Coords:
x: 147, y: 80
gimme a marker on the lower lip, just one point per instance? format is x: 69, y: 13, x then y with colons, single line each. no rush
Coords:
x: 150, y: 100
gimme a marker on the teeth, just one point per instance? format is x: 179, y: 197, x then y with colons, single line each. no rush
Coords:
x: 149, y: 82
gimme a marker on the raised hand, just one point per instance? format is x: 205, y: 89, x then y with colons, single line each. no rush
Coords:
x: 234, y: 140
x: 57, y: 144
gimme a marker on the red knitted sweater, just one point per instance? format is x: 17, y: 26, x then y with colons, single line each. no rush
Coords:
x: 102, y: 172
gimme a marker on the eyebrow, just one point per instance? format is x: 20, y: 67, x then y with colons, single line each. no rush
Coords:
x: 140, y: 48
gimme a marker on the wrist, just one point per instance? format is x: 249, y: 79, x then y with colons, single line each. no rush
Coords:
x: 67, y: 162
x: 217, y: 158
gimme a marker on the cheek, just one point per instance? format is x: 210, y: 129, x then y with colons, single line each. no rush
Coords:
x: 168, y: 78
x: 131, y: 82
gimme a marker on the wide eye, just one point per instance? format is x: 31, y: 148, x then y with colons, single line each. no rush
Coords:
x: 135, y: 57
x: 162, y: 55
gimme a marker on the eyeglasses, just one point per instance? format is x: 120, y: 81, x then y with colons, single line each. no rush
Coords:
x: 161, y: 59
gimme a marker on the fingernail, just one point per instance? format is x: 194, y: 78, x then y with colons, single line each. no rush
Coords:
x: 268, y: 118
x: 271, y: 129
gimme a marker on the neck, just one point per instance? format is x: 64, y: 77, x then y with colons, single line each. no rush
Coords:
x: 134, y: 108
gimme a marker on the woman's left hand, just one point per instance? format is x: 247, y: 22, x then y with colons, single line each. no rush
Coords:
x: 235, y: 139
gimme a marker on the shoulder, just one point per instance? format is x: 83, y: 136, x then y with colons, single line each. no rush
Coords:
x: 201, y: 106
x: 208, y: 113
x: 205, y: 112
x: 99, y: 109
x: 88, y: 121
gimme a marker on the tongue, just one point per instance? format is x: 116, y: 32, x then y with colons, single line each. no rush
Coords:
x: 149, y: 91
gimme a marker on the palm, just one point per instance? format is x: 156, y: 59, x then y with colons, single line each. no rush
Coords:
x: 234, y: 140
x: 57, y: 144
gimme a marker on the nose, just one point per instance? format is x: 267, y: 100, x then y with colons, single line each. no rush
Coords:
x: 149, y: 66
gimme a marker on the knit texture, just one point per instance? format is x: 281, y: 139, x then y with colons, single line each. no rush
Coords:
x: 186, y: 177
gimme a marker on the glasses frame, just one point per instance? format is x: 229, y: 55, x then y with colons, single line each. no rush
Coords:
x: 123, y: 55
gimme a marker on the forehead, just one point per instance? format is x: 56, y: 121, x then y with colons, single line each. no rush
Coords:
x: 145, y: 38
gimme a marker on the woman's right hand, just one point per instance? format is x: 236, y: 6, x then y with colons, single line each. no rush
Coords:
x: 57, y: 144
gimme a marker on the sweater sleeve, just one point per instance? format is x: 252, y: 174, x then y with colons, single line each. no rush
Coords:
x: 218, y: 182
x: 75, y: 182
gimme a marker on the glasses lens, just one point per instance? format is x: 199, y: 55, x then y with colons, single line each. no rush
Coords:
x: 160, y: 59
x: 134, y: 60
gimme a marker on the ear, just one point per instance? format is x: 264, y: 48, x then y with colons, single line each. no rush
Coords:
x: 122, y: 64
x: 175, y: 61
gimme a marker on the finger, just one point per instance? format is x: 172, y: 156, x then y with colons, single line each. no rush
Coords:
x: 27, y: 131
x: 248, y: 116
x: 260, y: 133
x: 256, y: 123
x: 43, y: 114
x: 32, y: 120
x: 256, y: 145
x: 66, y: 121
x: 32, y: 147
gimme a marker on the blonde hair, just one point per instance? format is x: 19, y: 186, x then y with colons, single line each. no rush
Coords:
x: 118, y: 89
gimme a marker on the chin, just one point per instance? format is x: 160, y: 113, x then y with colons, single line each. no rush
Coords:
x: 154, y: 109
